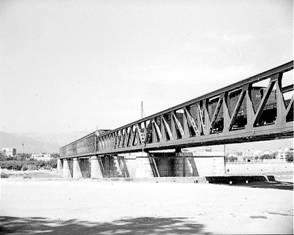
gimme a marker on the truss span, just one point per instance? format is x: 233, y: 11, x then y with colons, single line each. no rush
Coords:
x: 257, y: 108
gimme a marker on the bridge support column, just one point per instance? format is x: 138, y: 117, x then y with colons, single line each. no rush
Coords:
x: 143, y: 166
x: 128, y: 161
x: 59, y: 166
x: 66, y: 171
x: 96, y: 170
x: 123, y: 166
x: 77, y: 173
x: 117, y: 168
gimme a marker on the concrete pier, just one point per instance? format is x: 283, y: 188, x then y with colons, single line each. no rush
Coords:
x: 66, y: 173
x: 96, y: 169
x: 117, y: 167
x: 112, y: 166
x: 123, y: 166
x: 143, y: 166
x: 128, y: 161
x: 77, y: 173
x: 59, y: 166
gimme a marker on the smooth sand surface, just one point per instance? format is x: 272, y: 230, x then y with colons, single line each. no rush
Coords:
x: 93, y: 207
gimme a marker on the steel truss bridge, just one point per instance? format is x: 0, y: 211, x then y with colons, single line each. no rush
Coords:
x: 257, y: 108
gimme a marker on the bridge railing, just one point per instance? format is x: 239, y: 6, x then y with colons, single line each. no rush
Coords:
x: 256, y: 108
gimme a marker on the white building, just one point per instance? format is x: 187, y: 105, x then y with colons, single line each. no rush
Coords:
x: 282, y: 153
x: 9, y: 152
x: 41, y: 156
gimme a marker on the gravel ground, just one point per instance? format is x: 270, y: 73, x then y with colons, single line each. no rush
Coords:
x: 91, y: 207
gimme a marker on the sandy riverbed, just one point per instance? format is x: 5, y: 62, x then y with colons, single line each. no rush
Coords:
x: 92, y: 207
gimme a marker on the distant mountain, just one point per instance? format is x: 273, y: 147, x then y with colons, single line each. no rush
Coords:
x: 39, y: 142
x: 57, y: 138
x: 30, y: 145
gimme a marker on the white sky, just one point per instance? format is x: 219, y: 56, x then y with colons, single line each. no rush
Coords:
x: 78, y: 65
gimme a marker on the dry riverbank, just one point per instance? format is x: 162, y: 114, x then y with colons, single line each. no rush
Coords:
x: 91, y: 207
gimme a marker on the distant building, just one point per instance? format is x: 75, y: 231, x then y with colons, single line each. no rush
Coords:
x: 41, y: 156
x: 282, y: 153
x: 9, y: 152
x: 208, y: 153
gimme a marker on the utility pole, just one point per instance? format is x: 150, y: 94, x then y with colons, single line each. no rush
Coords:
x: 225, y: 157
x: 142, y: 109
x: 142, y: 134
